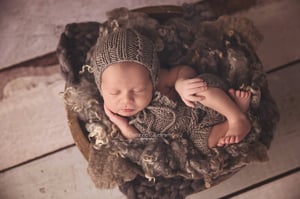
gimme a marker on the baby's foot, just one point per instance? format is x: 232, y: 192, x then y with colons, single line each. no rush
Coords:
x: 236, y: 132
x: 241, y: 98
x: 239, y: 128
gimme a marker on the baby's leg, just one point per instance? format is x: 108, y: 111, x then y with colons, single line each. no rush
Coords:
x: 218, y: 131
x: 238, y: 123
x: 242, y: 100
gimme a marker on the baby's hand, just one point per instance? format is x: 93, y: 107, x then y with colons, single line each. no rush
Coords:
x: 116, y: 119
x: 190, y: 90
x: 122, y: 123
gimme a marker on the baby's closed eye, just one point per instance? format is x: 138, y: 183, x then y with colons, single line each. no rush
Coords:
x: 114, y: 92
x: 139, y: 90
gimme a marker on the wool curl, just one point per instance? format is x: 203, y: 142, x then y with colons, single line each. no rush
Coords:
x: 170, y: 165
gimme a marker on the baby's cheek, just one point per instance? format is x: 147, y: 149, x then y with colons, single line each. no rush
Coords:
x: 109, y: 103
x: 146, y: 101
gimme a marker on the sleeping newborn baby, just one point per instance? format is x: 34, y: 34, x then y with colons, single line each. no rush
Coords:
x: 140, y: 98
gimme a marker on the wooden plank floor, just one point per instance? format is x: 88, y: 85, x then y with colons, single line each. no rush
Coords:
x: 63, y: 174
x: 60, y: 175
x: 286, y: 187
x: 43, y: 162
x: 32, y: 119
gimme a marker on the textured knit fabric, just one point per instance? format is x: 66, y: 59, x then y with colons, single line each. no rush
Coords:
x: 163, y: 118
x: 124, y: 45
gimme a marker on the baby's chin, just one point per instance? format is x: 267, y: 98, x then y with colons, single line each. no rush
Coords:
x: 128, y: 112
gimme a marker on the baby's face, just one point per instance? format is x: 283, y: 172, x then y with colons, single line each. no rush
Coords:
x: 126, y: 88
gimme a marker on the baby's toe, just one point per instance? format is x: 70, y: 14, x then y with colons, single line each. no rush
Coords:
x: 227, y: 140
x: 231, y: 91
x: 243, y: 94
x: 248, y: 94
x: 231, y: 139
x: 221, y: 142
x: 238, y: 93
x: 237, y: 139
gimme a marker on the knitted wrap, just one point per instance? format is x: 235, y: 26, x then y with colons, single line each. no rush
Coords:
x: 164, y: 117
x: 124, y: 45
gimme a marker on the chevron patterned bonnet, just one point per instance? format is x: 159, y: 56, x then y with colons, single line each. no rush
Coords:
x: 124, y: 45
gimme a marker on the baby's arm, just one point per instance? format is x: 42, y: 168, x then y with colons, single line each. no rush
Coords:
x: 185, y: 82
x: 127, y: 130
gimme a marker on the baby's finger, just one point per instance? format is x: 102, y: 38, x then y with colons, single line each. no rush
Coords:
x: 189, y: 103
x: 195, y: 91
x: 108, y: 112
x: 202, y: 88
x: 195, y: 84
x: 195, y: 98
x: 195, y: 80
x: 200, y: 97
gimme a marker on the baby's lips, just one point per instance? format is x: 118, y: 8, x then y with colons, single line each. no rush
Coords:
x: 128, y: 110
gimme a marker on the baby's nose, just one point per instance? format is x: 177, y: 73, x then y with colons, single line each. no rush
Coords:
x: 128, y: 98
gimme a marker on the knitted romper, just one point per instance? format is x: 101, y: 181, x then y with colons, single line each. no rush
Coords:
x: 164, y: 117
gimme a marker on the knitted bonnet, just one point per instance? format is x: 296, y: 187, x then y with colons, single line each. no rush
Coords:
x: 124, y: 45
